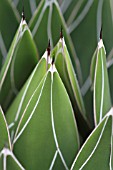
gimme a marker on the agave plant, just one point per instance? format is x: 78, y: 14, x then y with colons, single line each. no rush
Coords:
x: 56, y: 85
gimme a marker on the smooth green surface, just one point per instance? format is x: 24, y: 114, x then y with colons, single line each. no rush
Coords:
x: 102, y: 99
x: 21, y: 60
x: 17, y: 109
x: 66, y: 71
x: 8, y: 25
x: 48, y: 122
x: 95, y: 153
x: 93, y: 64
x: 4, y: 133
x: 12, y: 164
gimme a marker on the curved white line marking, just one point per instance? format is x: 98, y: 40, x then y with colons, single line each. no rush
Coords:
x: 102, y: 92
x: 86, y: 143
x: 75, y: 24
x: 31, y: 115
x: 52, y: 121
x: 53, y: 161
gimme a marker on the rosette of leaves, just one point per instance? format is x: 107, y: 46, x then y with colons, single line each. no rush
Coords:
x: 46, y: 108
x: 42, y: 115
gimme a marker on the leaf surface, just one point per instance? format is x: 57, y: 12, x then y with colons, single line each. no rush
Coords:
x: 48, y: 123
x: 21, y: 60
x: 98, y: 144
x: 101, y: 85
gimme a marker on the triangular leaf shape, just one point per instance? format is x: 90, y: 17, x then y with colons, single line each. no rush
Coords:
x: 18, y: 65
x: 49, y: 125
x: 66, y: 71
x: 101, y: 85
x: 24, y: 98
x: 4, y: 132
x: 97, y: 150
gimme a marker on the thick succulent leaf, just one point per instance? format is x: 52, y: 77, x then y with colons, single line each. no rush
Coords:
x: 50, y: 126
x: 93, y: 64
x: 18, y: 65
x: 72, y: 76
x: 97, y: 13
x: 4, y: 132
x: 96, y: 151
x: 48, y: 20
x: 24, y: 98
x: 8, y: 161
x: 101, y: 85
x: 68, y: 76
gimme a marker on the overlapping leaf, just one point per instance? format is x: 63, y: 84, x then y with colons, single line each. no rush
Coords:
x: 48, y: 123
x: 101, y: 85
x: 68, y: 76
x: 26, y: 94
x: 92, y: 12
x: 21, y: 60
x: 48, y: 20
x: 86, y: 26
x: 96, y: 153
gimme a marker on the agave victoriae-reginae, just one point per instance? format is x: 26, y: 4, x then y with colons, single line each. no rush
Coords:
x: 56, y: 98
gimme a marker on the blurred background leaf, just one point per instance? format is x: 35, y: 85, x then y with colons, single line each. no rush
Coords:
x: 9, y: 20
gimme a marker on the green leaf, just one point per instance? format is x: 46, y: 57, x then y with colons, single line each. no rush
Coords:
x: 9, y: 161
x: 48, y: 20
x: 18, y: 65
x: 31, y: 87
x: 66, y: 71
x: 4, y: 132
x: 85, y: 35
x: 93, y: 64
x: 101, y: 85
x: 96, y: 151
x: 50, y: 126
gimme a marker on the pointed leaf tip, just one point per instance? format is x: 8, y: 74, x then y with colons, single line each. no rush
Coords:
x: 100, y: 44
x: 49, y: 48
x: 61, y: 33
x: 101, y: 33
x: 53, y: 60
x: 23, y: 13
